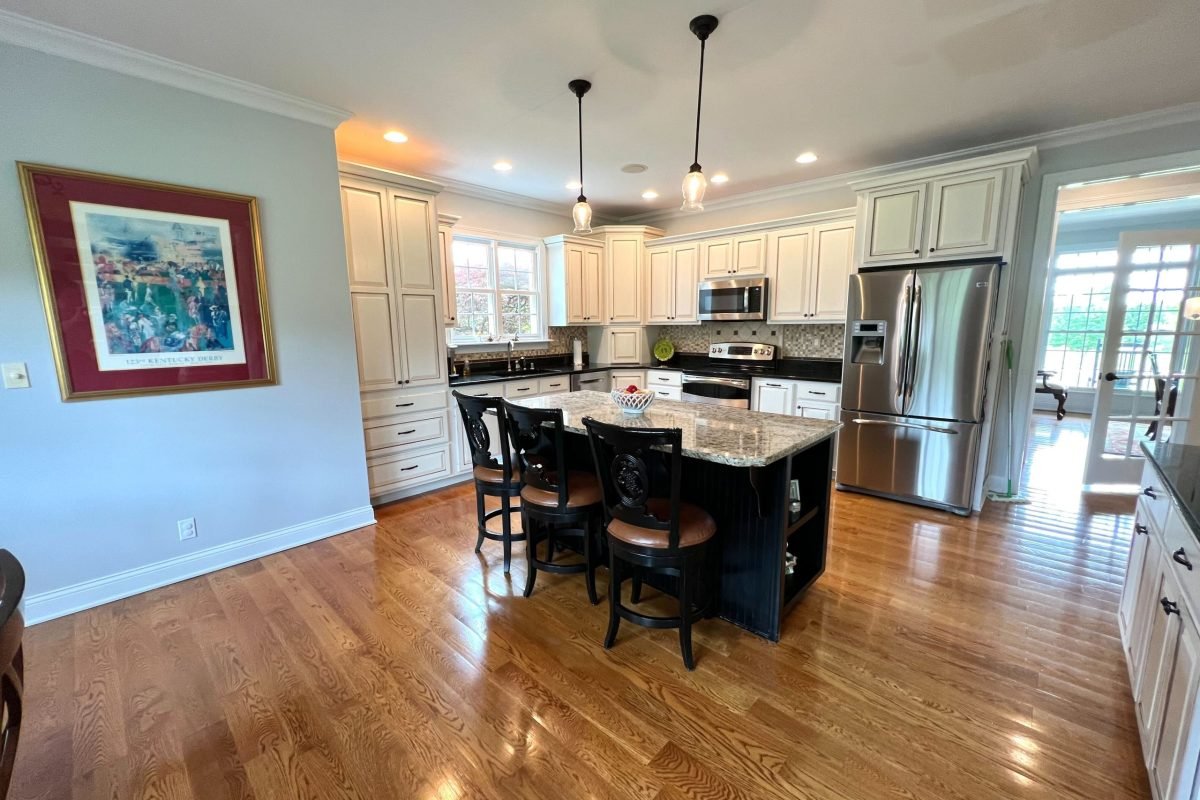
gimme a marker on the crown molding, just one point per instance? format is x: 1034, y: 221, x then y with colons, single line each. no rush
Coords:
x: 369, y: 172
x: 33, y: 34
x: 501, y: 196
x: 1063, y: 137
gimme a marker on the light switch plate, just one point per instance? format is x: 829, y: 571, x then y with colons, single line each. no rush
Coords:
x: 15, y: 375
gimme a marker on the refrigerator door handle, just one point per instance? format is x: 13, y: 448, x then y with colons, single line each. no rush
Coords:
x: 917, y: 426
x: 914, y: 344
x: 902, y: 373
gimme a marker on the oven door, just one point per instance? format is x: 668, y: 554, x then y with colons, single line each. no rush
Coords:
x: 737, y: 298
x: 733, y: 392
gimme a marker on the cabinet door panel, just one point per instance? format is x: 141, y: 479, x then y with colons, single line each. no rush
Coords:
x: 661, y: 285
x: 773, y: 398
x: 684, y: 303
x: 1161, y: 638
x: 1144, y: 611
x: 716, y: 256
x: 833, y: 261
x: 366, y: 235
x: 894, y: 219
x: 449, y: 288
x: 423, y: 348
x: 1133, y: 574
x: 964, y: 213
x: 625, y: 346
x: 790, y: 254
x: 575, y: 281
x: 1173, y: 769
x: 623, y: 286
x: 592, y: 284
x: 375, y: 335
x: 413, y: 254
x: 750, y: 255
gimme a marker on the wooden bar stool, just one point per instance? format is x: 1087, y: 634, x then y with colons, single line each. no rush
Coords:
x: 494, y: 478
x: 655, y: 535
x: 555, y: 502
x: 12, y: 663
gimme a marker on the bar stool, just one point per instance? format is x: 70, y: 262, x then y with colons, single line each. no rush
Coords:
x: 661, y: 535
x: 492, y: 478
x: 12, y: 667
x: 555, y: 501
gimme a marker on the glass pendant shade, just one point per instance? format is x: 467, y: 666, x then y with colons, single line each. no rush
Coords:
x: 694, y: 184
x: 1191, y: 308
x: 582, y: 214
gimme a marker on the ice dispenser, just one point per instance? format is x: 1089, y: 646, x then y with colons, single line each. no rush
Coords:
x: 867, y: 341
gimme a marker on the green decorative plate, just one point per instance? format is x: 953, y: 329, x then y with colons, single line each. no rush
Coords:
x: 664, y: 350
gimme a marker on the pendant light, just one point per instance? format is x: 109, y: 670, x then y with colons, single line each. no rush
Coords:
x: 694, y: 183
x: 582, y: 212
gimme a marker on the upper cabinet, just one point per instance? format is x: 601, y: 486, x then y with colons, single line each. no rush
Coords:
x: 965, y: 209
x: 599, y: 281
x: 671, y: 282
x: 809, y: 267
x: 446, y: 223
x: 733, y: 255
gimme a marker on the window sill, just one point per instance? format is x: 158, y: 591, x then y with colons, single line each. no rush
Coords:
x: 498, y: 347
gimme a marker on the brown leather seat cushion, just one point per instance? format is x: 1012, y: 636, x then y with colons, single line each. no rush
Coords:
x: 584, y: 491
x: 695, y: 526
x: 496, y: 475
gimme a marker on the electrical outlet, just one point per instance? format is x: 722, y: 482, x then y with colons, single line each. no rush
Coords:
x: 187, y: 528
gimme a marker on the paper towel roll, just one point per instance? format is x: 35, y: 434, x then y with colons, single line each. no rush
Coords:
x: 578, y: 349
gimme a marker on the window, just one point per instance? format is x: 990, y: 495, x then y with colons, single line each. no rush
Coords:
x: 499, y: 291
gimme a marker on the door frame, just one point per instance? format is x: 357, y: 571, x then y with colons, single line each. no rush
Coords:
x: 1044, y: 235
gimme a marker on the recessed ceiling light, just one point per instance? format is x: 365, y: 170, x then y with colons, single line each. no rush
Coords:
x: 574, y: 186
x: 720, y: 177
x: 649, y: 194
x: 396, y: 136
x: 807, y: 157
x: 634, y: 169
x: 502, y: 166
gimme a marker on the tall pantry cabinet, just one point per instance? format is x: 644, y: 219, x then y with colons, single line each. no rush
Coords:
x: 396, y: 296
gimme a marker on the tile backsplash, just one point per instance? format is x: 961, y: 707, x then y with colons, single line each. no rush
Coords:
x: 808, y: 341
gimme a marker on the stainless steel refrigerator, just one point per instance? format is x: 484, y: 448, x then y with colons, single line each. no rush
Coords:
x: 917, y: 344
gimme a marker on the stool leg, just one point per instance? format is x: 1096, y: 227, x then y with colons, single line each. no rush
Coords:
x: 506, y: 527
x: 635, y: 594
x: 589, y: 557
x: 479, y: 512
x: 1062, y: 405
x: 614, y: 600
x: 530, y: 551
x: 685, y: 615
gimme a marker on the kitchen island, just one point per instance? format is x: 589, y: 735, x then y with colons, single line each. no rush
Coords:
x: 738, y: 465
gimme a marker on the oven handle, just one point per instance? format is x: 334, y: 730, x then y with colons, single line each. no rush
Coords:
x: 737, y: 383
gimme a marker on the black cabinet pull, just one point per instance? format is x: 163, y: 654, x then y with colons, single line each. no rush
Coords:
x: 403, y: 405
x: 810, y: 391
x: 406, y: 469
x: 1180, y: 557
x: 407, y: 432
x: 526, y: 389
x: 933, y: 249
x: 1149, y: 492
x: 1168, y: 607
x: 1142, y: 529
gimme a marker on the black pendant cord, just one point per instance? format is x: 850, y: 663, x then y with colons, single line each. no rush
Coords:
x: 582, y: 199
x: 699, y: 98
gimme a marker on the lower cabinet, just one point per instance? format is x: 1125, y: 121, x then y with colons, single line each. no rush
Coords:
x: 1157, y: 618
x: 773, y: 397
x: 622, y: 378
x: 396, y: 472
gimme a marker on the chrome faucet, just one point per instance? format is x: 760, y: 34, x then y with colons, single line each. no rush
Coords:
x: 510, y: 352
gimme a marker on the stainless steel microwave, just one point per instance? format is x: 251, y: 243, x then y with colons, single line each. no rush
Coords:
x: 733, y: 298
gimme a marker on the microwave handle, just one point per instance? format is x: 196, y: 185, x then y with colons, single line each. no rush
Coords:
x: 746, y: 298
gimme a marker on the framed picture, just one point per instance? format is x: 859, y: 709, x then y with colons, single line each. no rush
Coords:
x: 148, y: 287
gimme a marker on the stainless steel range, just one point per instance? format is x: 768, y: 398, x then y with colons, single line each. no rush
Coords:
x: 725, y: 380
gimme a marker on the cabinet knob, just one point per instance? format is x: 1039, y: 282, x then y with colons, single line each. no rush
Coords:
x: 1168, y: 607
x: 1180, y: 557
x: 1142, y: 529
x: 916, y: 252
x: 932, y: 249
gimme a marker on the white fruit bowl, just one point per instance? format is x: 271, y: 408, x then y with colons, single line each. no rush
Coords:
x: 632, y: 402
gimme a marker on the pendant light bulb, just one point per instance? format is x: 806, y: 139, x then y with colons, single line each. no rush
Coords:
x: 694, y: 184
x: 582, y: 214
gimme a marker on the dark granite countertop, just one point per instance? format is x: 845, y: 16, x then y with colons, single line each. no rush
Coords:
x: 1179, y: 466
x: 827, y: 370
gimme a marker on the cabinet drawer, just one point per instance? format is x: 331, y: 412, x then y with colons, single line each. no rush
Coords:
x: 389, y: 404
x: 484, y: 390
x: 663, y: 377
x: 666, y: 392
x: 561, y: 383
x: 406, y: 434
x: 594, y: 381
x: 813, y: 410
x: 516, y: 389
x: 396, y: 473
x: 1154, y: 498
x: 819, y: 392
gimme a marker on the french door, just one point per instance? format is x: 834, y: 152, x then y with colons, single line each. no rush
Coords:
x: 1146, y: 389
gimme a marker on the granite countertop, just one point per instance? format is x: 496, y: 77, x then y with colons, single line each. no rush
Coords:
x: 826, y: 370
x: 732, y: 436
x: 1179, y: 466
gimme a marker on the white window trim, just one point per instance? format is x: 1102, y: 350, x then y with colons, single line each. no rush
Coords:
x: 538, y: 341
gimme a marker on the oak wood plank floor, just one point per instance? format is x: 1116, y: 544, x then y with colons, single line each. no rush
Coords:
x: 936, y: 658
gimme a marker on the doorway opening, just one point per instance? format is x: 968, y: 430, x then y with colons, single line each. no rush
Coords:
x: 1119, y: 346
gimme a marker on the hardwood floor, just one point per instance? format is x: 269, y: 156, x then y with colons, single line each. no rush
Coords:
x: 937, y: 658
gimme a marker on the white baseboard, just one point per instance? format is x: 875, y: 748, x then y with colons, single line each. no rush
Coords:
x: 96, y: 592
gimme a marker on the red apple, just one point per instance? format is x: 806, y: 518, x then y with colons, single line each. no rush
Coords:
x: 631, y: 389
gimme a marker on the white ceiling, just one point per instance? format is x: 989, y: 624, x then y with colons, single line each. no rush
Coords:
x: 861, y: 82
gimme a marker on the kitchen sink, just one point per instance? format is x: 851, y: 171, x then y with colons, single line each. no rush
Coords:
x: 522, y: 373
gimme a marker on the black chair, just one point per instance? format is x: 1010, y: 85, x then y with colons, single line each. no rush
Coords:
x: 652, y: 534
x: 555, y: 502
x: 12, y: 663
x: 494, y: 478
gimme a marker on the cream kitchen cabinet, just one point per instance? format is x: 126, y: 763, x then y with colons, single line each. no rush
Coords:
x: 968, y: 208
x: 576, y: 286
x: 809, y: 267
x: 733, y: 255
x: 624, y: 272
x: 773, y: 397
x: 446, y: 224
x: 623, y: 378
x: 671, y: 283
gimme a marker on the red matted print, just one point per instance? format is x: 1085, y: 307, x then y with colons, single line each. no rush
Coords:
x: 148, y: 287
